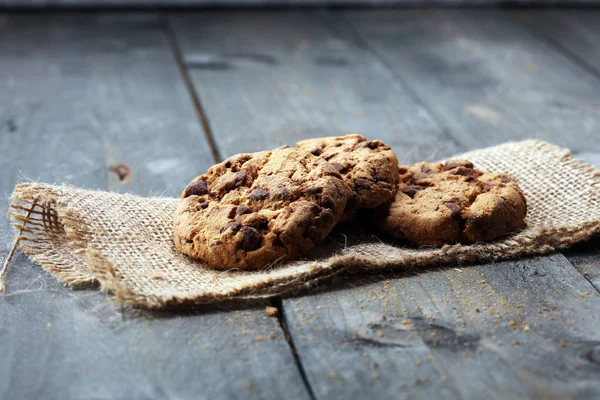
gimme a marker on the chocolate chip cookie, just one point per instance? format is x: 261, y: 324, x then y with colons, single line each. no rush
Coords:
x: 452, y: 202
x: 369, y: 167
x: 253, y: 210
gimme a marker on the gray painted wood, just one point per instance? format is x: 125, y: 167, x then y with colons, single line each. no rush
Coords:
x: 586, y: 258
x: 80, y: 93
x: 575, y: 31
x: 83, y: 93
x: 246, y: 67
x: 487, y: 77
x: 267, y: 79
x: 524, y: 329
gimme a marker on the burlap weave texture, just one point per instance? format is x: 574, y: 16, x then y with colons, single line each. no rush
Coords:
x: 124, y: 242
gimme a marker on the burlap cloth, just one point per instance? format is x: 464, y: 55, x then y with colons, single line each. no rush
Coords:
x: 123, y: 242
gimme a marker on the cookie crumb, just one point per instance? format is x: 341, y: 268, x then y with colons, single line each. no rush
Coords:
x: 379, y: 333
x: 444, y: 378
x: 260, y: 338
x: 272, y: 311
x: 272, y: 335
x: 248, y: 384
x: 516, y: 341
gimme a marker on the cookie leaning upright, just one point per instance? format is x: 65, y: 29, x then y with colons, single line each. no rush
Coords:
x: 369, y: 167
x: 253, y: 210
x: 452, y: 202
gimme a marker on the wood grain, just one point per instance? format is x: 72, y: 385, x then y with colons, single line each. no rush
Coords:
x: 524, y: 329
x: 577, y: 32
x: 267, y: 79
x: 82, y: 93
x: 284, y: 76
x: 486, y: 77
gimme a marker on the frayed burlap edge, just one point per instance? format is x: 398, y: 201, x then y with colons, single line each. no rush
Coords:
x: 43, y: 219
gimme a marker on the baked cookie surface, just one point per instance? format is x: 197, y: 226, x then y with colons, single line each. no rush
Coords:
x: 369, y: 167
x: 452, y: 202
x: 253, y: 210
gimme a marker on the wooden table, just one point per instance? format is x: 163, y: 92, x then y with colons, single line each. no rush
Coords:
x: 168, y: 94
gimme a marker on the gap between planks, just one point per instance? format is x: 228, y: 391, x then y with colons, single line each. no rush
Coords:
x: 194, y: 97
x: 278, y: 303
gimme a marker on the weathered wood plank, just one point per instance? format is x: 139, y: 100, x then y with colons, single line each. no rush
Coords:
x: 80, y: 93
x: 486, y: 77
x: 267, y: 79
x: 525, y: 329
x: 586, y: 256
x: 575, y: 31
x: 345, y: 346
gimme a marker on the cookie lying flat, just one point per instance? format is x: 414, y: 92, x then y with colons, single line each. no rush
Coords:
x: 452, y: 202
x: 255, y: 209
x: 369, y: 167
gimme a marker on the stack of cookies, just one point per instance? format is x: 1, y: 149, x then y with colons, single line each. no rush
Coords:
x: 254, y: 210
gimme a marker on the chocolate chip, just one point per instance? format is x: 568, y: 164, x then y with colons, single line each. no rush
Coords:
x: 240, y: 177
x: 451, y: 164
x: 282, y: 194
x: 326, y: 216
x: 196, y: 188
x: 420, y: 175
x: 260, y: 223
x: 234, y: 226
x: 312, y: 190
x: 201, y: 206
x: 328, y: 157
x: 241, y: 210
x: 487, y: 186
x: 425, y: 168
x: 362, y: 183
x: 259, y: 194
x: 412, y: 190
x: 505, y: 179
x: 338, y: 166
x: 315, y: 151
x: 463, y: 171
x: 288, y: 209
x: 369, y: 143
x: 402, y: 170
x: 455, y: 208
x: 251, y: 240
